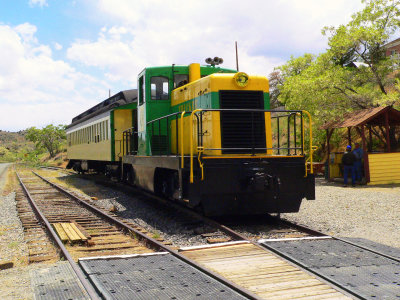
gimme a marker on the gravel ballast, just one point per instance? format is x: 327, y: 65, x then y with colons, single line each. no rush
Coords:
x: 12, y: 245
x: 14, y: 282
x: 370, y: 212
x: 363, y: 211
x: 159, y: 220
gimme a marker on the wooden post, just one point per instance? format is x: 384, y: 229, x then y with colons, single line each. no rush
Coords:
x: 366, y: 163
x: 370, y: 139
x: 328, y: 137
x: 349, y: 135
x: 387, y: 130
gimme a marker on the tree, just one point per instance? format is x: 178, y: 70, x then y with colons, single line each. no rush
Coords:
x: 49, y: 137
x: 353, y: 73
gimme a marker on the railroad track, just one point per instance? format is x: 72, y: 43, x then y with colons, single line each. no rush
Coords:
x: 58, y: 169
x: 284, y: 241
x: 109, y: 237
x: 102, y: 238
x: 292, y: 279
x: 237, y: 228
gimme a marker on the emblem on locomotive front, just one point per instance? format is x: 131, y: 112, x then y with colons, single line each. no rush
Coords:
x: 241, y: 79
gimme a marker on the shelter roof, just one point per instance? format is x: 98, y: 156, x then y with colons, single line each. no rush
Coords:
x: 374, y: 116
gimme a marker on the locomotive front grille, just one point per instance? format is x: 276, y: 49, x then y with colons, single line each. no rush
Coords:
x: 245, y: 130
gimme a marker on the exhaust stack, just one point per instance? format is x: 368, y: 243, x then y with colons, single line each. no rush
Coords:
x: 194, y: 72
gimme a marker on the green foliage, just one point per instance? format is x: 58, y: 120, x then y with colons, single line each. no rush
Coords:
x: 50, y: 138
x: 352, y: 74
x: 156, y: 235
x: 6, y: 154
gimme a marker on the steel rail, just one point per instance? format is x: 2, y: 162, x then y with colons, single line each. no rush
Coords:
x: 314, y: 232
x: 156, y: 243
x: 367, y: 248
x: 57, y: 169
x: 303, y: 266
x: 300, y: 227
x: 237, y: 236
x: 232, y: 233
x: 128, y: 188
x: 318, y: 233
x: 82, y: 278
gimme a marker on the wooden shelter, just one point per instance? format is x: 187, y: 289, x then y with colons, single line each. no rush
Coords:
x: 379, y: 167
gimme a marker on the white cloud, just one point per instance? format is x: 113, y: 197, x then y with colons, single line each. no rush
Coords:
x: 40, y: 3
x: 36, y: 89
x: 27, y: 32
x: 57, y: 46
x: 158, y: 32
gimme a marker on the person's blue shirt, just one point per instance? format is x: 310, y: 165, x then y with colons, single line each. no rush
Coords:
x: 358, y: 153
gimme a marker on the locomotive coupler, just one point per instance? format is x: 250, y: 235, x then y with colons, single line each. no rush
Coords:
x: 257, y: 178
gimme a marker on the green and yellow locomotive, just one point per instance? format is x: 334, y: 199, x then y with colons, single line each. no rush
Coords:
x: 202, y: 135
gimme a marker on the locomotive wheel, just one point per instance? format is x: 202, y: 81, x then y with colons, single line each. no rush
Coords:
x: 166, y: 183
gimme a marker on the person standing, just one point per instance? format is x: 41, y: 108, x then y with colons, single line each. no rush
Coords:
x: 348, y: 160
x: 359, y: 153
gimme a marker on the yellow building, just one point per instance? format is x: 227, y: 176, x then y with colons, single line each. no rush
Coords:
x: 380, y: 166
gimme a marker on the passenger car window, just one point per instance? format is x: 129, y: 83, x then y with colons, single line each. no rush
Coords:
x: 159, y: 88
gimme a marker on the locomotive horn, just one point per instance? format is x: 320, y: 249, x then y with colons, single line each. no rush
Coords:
x: 209, y: 60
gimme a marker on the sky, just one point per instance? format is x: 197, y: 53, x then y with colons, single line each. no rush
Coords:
x: 59, y: 57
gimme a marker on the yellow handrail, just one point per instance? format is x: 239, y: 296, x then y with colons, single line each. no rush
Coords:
x: 191, y: 143
x: 182, y: 154
x: 312, y: 148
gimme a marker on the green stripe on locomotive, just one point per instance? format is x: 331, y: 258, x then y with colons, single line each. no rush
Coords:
x: 153, y: 109
x: 210, y: 100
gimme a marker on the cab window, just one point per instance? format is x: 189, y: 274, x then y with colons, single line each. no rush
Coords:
x: 180, y: 79
x: 159, y: 88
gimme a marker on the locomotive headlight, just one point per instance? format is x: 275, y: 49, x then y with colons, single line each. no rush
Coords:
x: 241, y: 79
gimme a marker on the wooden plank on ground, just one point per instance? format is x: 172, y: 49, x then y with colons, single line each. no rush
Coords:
x: 80, y: 234
x: 72, y: 235
x: 87, y: 235
x: 60, y: 231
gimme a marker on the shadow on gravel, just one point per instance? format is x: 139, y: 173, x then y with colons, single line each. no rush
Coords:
x: 135, y: 206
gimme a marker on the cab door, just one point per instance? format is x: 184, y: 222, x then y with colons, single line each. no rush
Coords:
x: 158, y: 105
